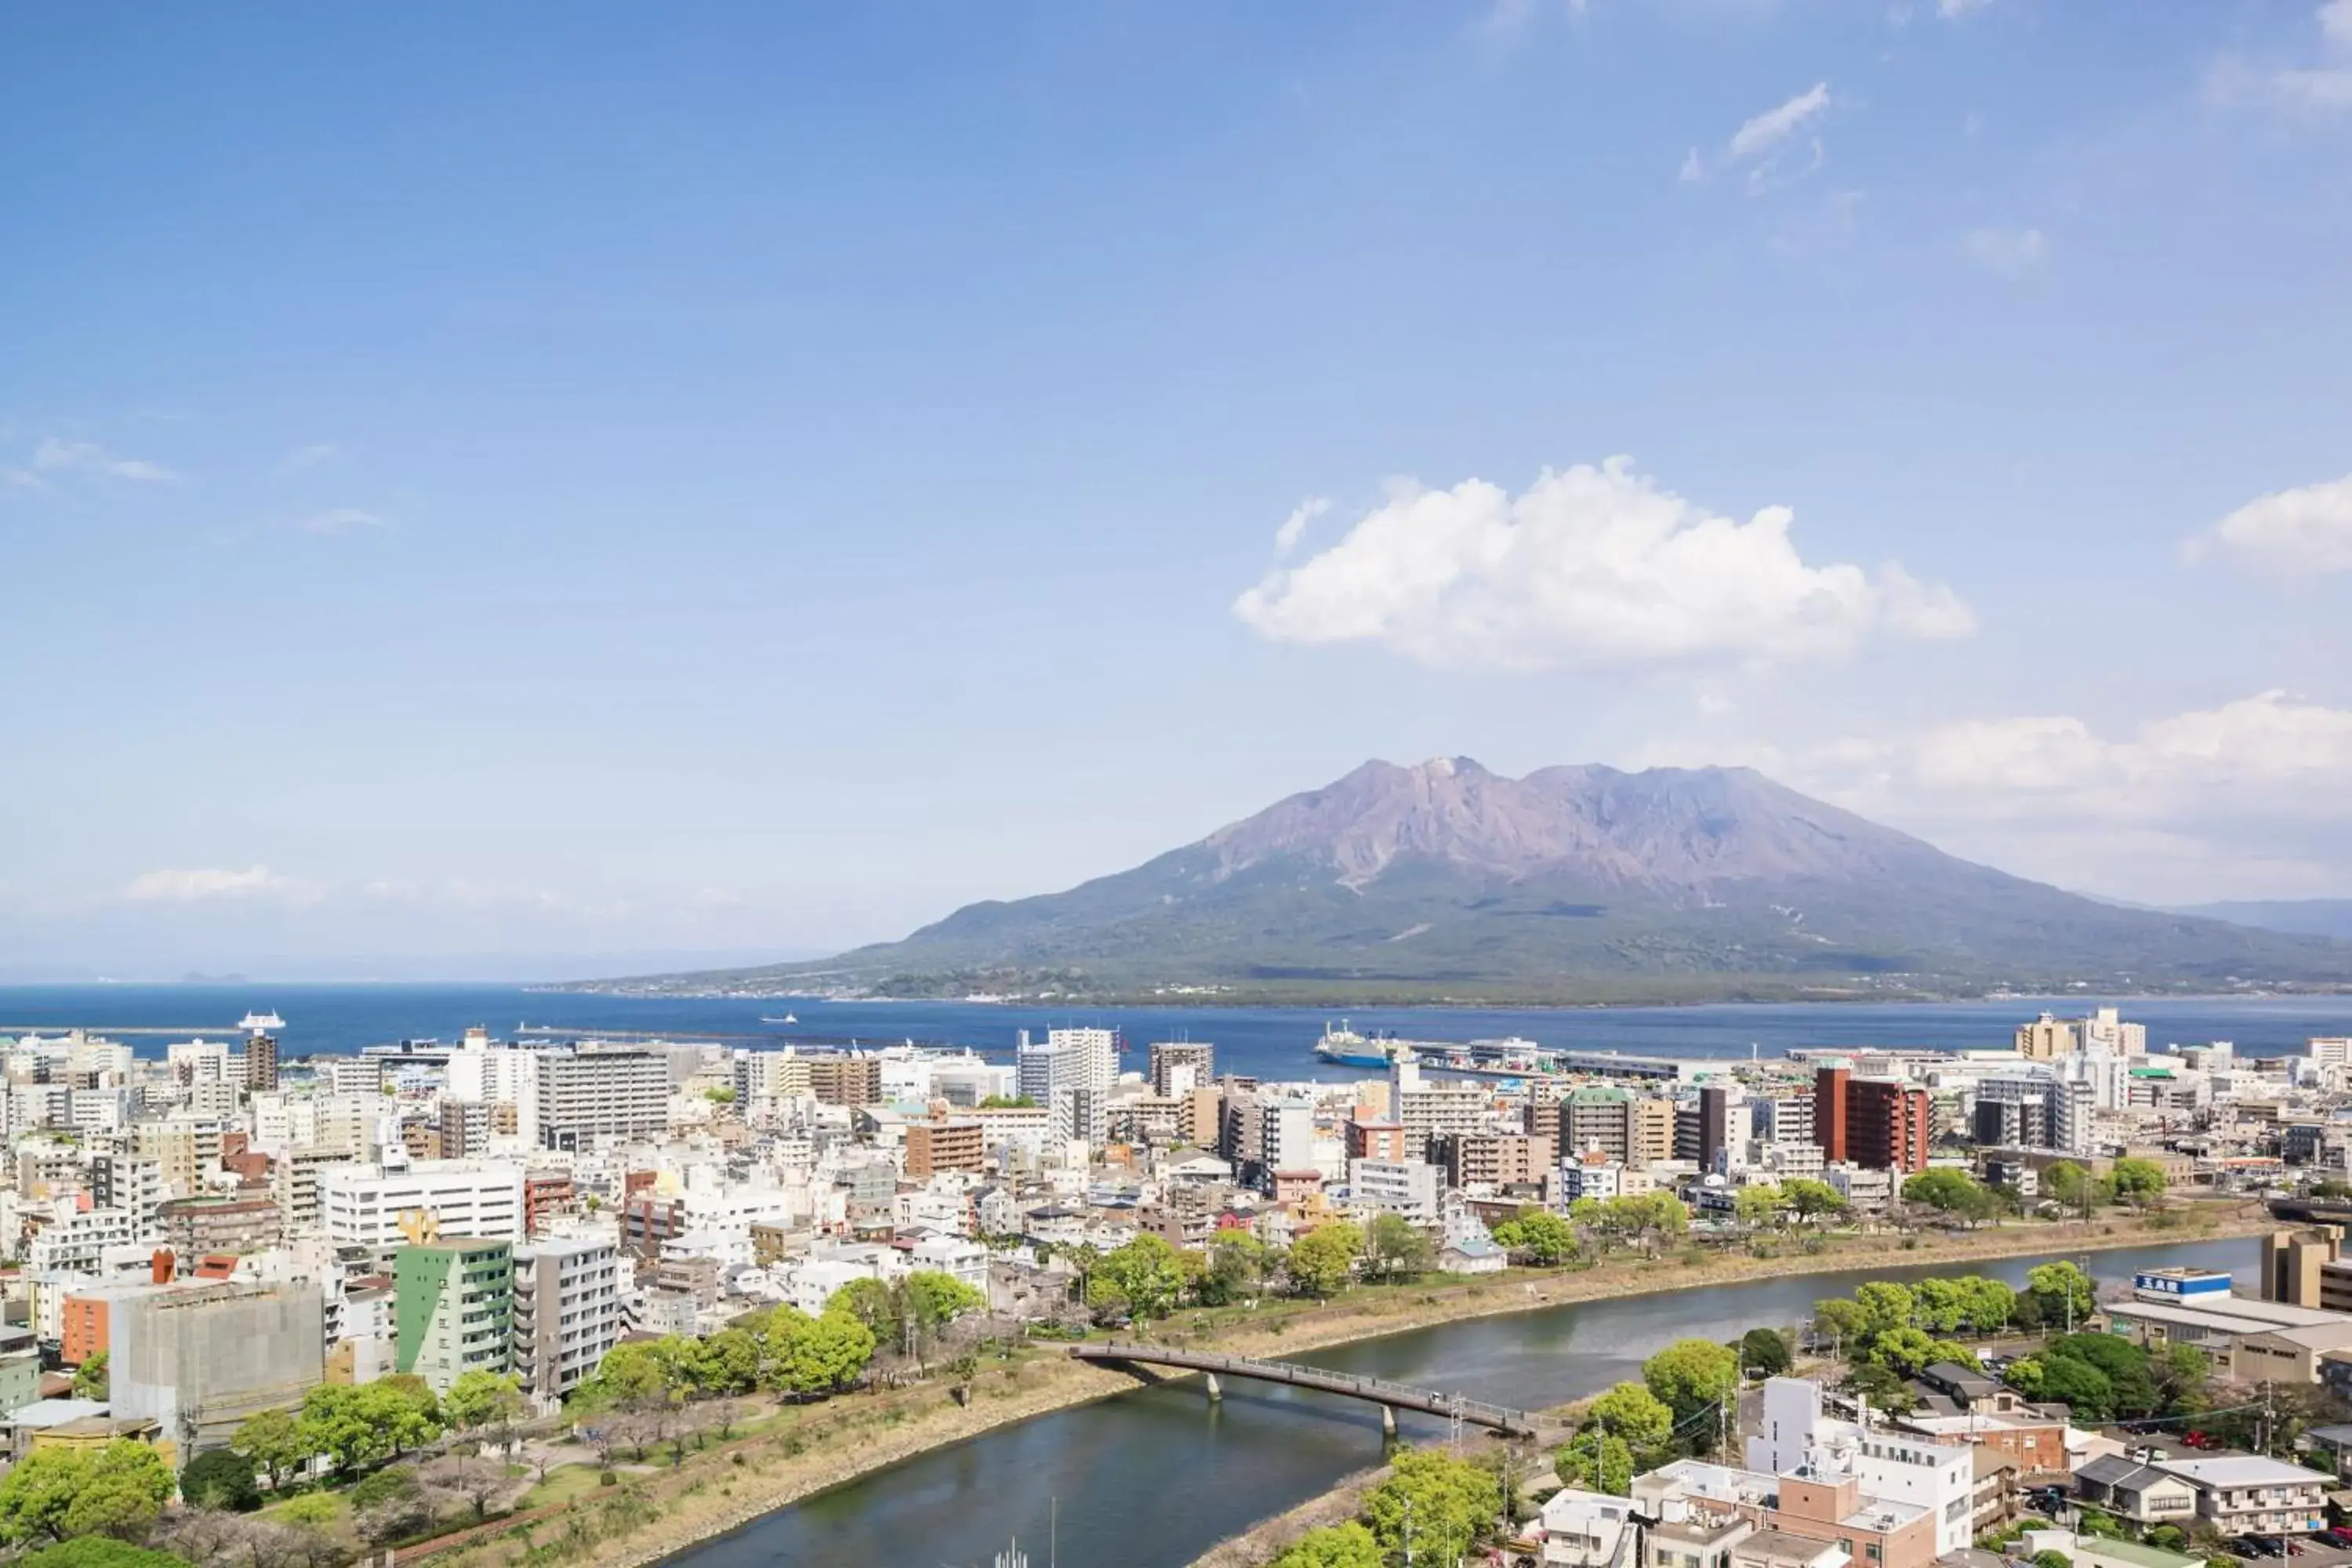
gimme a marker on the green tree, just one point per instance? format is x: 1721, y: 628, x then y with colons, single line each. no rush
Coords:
x: 1146, y: 1276
x: 871, y: 1303
x: 403, y: 1411
x: 2073, y: 1188
x: 484, y: 1400
x: 1903, y: 1351
x: 1450, y: 1502
x: 812, y: 1356
x: 90, y: 1378
x: 2180, y: 1372
x: 2062, y: 1294
x: 1236, y: 1269
x: 1623, y: 1433
x: 118, y: 1491
x: 1395, y: 1249
x: 1539, y: 1236
x: 726, y: 1363
x: 2050, y: 1559
x: 1841, y: 1321
x: 2138, y: 1182
x: 98, y: 1551
x: 331, y: 1424
x: 1691, y: 1377
x: 1985, y: 1304
x: 1764, y: 1351
x: 1348, y: 1545
x: 2129, y: 1383
x: 1810, y: 1199
x: 273, y: 1440
x: 1885, y: 1306
x: 1943, y: 1189
x: 1759, y: 1206
x: 1322, y: 1259
x: 1939, y: 1306
x: 221, y: 1478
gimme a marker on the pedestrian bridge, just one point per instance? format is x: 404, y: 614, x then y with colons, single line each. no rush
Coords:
x: 1391, y: 1397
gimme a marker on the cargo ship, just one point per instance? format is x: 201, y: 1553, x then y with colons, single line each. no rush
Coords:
x: 1344, y: 1046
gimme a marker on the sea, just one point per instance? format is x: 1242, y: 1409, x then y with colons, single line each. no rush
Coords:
x: 1271, y: 1043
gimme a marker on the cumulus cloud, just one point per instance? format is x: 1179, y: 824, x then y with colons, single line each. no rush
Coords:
x: 2244, y: 799
x: 2012, y: 252
x: 1591, y: 567
x: 1763, y: 141
x: 87, y: 457
x: 1294, y: 527
x: 2285, y: 535
x: 178, y: 886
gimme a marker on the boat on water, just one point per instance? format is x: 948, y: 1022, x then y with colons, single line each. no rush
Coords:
x: 787, y: 1018
x: 1345, y: 1046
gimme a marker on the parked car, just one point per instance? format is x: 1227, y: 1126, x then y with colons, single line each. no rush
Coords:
x: 2200, y: 1440
x: 2338, y: 1535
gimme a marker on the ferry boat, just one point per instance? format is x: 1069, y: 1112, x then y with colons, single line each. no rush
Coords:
x: 1343, y: 1046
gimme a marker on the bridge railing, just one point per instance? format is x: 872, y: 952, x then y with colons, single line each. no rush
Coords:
x: 1375, y: 1388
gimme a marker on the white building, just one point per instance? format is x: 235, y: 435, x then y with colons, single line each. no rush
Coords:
x: 1412, y: 1188
x: 1071, y: 1075
x: 361, y: 1205
x: 1794, y: 1434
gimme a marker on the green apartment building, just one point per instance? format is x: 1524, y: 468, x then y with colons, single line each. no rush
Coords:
x: 453, y: 1302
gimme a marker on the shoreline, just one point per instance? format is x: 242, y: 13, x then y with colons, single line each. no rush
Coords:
x: 920, y: 1420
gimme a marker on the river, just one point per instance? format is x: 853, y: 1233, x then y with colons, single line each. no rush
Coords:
x: 1154, y: 1477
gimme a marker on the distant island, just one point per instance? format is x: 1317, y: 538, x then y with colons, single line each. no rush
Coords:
x: 1576, y: 885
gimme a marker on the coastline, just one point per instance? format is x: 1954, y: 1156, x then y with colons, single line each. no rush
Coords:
x: 733, y: 1484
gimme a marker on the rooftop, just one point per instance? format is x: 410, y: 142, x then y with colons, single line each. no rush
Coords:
x: 2244, y: 1470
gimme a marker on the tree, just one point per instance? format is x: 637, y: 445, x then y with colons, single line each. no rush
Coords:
x: 2138, y: 1182
x: 1939, y: 1306
x: 871, y: 1303
x: 1450, y: 1502
x: 477, y: 1478
x: 2083, y: 1388
x: 2129, y: 1383
x: 1948, y: 1191
x: 1539, y: 1236
x: 403, y: 1411
x: 2062, y: 1294
x: 1691, y: 1377
x: 1624, y: 1432
x: 1144, y: 1275
x: 90, y: 1378
x: 1348, y: 1545
x: 2072, y: 1186
x: 98, y: 1551
x: 273, y: 1440
x: 55, y: 1494
x: 810, y: 1356
x: 1759, y: 1206
x: 1236, y: 1267
x: 1985, y: 1304
x: 221, y: 1478
x: 1764, y: 1351
x: 1885, y: 1306
x: 1810, y: 1199
x: 2180, y: 1372
x: 1841, y: 1321
x: 485, y: 1402
x: 1322, y: 1259
x: 1008, y: 1102
x: 1395, y: 1249
x: 2047, y: 1558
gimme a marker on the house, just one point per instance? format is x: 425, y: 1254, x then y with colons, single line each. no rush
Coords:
x: 1778, y: 1549
x: 1586, y: 1529
x: 2131, y: 1490
x: 1469, y: 1255
x: 2245, y: 1494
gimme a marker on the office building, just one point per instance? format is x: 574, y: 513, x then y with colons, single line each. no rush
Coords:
x: 452, y: 1312
x: 364, y: 1205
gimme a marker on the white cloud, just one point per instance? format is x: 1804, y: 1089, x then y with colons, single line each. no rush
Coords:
x: 1591, y: 567
x: 1761, y: 143
x: 341, y: 519
x: 22, y: 480
x: 2240, y: 800
x: 1952, y: 10
x: 2012, y: 252
x: 2306, y: 89
x: 309, y: 457
x: 2283, y: 535
x: 1294, y: 527
x: 87, y: 457
x: 191, y: 886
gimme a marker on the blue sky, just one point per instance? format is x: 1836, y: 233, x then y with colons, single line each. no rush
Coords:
x: 577, y: 480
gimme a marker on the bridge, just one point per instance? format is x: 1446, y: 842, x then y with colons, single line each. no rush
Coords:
x: 1391, y: 1397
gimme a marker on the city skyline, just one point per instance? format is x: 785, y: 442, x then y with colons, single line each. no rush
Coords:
x: 751, y: 488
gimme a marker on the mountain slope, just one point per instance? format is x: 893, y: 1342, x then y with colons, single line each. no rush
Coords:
x: 1572, y: 883
x: 2302, y: 916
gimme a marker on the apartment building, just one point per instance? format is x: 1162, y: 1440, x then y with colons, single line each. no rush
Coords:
x: 566, y: 1312
x: 1178, y: 1064
x: 294, y: 1180
x: 131, y: 1182
x: 579, y: 1095
x: 1412, y: 1188
x: 193, y: 1227
x: 1494, y: 1160
x: 452, y: 1309
x: 944, y: 1144
x: 1877, y: 1123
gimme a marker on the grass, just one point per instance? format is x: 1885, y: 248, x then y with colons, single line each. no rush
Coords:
x: 565, y: 1483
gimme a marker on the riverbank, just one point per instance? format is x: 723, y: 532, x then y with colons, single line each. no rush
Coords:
x: 795, y: 1453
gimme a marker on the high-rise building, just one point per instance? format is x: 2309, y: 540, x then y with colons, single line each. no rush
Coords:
x: 1179, y: 1065
x: 934, y: 1146
x: 845, y: 1078
x: 1875, y: 1123
x: 199, y: 1359
x: 454, y: 1308
x: 364, y: 1205
x: 598, y: 1092
x: 1597, y: 1117
x: 1494, y: 1160
x: 2106, y: 1030
x: 260, y: 1062
x: 1071, y: 1075
x: 2044, y: 1038
x: 567, y: 1312
x: 2293, y: 1262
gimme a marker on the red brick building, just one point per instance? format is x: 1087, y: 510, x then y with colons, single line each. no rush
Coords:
x: 1877, y: 1123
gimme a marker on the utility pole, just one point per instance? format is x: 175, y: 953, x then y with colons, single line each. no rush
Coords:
x: 1408, y: 1533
